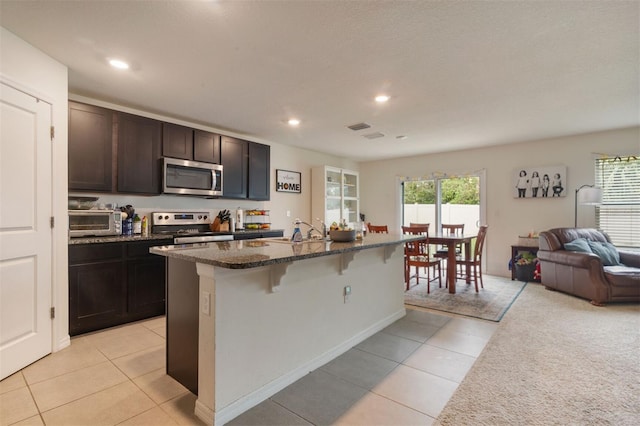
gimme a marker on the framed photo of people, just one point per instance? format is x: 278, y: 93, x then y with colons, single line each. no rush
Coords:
x: 540, y: 182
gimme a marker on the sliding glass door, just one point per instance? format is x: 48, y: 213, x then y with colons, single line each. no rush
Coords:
x: 443, y: 200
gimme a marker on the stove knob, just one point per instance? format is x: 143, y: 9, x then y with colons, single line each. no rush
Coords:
x: 199, y: 216
x: 159, y: 217
x: 205, y: 217
x: 166, y: 217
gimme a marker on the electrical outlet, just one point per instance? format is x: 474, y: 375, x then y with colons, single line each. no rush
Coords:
x: 206, y: 303
x: 347, y: 293
x: 288, y: 213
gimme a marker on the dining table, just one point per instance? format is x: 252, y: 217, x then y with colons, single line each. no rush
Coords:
x: 450, y: 241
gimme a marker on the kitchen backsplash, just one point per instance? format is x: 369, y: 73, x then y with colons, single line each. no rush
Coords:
x: 148, y: 204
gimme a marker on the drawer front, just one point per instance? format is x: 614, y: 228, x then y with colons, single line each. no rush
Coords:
x: 86, y: 253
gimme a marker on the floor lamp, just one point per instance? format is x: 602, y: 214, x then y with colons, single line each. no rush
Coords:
x: 586, y: 195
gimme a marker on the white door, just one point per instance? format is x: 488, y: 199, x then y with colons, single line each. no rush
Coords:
x: 25, y: 232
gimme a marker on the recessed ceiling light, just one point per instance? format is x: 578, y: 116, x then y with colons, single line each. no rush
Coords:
x: 293, y: 122
x: 117, y: 63
x: 382, y: 99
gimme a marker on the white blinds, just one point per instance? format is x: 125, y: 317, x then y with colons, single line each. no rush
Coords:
x: 619, y: 214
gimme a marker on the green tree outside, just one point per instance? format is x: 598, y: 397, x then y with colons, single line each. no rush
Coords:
x: 463, y: 190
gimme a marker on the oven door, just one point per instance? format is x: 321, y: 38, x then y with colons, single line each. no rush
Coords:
x: 191, y: 178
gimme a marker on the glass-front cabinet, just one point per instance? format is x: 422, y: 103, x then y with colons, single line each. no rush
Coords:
x: 335, y: 195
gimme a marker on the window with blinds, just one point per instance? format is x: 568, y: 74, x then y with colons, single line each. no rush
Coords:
x: 619, y: 214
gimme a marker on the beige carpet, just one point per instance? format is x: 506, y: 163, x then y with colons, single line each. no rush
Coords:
x: 554, y: 360
x: 489, y: 303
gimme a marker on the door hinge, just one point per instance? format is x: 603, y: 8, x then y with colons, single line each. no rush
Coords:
x: 53, y: 132
x: 53, y: 312
x: 52, y: 221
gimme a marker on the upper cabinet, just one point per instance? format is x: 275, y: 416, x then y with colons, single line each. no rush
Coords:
x: 206, y: 147
x: 247, y: 169
x: 259, y: 171
x: 177, y: 141
x: 234, y: 154
x: 190, y: 144
x: 104, y: 144
x: 335, y: 195
x: 90, y: 147
x: 139, y: 153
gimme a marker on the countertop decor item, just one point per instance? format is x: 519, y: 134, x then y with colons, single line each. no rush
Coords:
x: 342, y: 235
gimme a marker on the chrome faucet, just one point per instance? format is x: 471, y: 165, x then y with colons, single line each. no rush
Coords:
x: 311, y: 229
x: 324, y: 228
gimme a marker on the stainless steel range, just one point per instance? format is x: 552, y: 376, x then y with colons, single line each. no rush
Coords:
x: 187, y: 227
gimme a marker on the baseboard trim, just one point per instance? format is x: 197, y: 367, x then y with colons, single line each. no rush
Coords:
x: 243, y: 404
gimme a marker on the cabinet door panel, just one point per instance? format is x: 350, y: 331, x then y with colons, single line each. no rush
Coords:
x: 96, y: 296
x: 138, y: 154
x: 259, y: 171
x: 177, y: 141
x: 234, y: 158
x: 90, y: 147
x: 146, y: 286
x: 206, y: 147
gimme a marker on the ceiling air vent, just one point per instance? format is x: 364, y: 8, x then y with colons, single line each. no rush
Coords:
x: 359, y: 126
x: 375, y: 135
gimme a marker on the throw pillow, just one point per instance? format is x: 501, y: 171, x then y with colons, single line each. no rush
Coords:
x: 606, y: 252
x: 579, y: 244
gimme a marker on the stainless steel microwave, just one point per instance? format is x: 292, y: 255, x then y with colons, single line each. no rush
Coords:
x: 191, y: 178
x: 83, y: 223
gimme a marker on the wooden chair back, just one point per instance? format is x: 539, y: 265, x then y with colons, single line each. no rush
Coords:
x: 419, y: 224
x: 453, y: 229
x: 420, y: 247
x: 477, y: 251
x: 378, y: 229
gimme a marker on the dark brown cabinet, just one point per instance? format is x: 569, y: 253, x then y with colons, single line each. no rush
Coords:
x: 206, y: 146
x: 234, y: 155
x: 177, y: 141
x: 259, y: 171
x: 112, y: 151
x: 114, y: 283
x: 246, y: 169
x: 139, y: 153
x: 90, y: 147
x: 145, y: 281
x: 190, y: 144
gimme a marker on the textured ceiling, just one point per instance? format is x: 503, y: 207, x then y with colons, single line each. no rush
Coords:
x: 460, y: 74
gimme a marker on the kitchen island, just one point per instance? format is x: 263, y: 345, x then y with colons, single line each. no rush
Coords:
x: 267, y: 312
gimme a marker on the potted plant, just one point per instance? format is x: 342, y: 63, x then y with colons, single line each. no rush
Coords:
x: 525, y: 266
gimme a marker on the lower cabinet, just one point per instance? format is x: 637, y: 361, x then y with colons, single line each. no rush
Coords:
x: 114, y: 283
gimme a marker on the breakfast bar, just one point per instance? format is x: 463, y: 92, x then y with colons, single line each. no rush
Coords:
x: 268, y: 311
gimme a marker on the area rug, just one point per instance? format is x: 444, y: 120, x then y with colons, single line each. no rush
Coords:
x: 489, y: 303
x: 554, y: 360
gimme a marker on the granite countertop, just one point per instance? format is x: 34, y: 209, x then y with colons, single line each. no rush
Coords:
x: 119, y: 239
x: 138, y: 237
x: 245, y: 254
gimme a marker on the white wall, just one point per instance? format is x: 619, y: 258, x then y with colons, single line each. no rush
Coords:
x: 282, y: 157
x: 40, y: 75
x: 507, y: 217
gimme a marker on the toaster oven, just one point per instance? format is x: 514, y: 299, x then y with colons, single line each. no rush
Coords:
x: 84, y: 223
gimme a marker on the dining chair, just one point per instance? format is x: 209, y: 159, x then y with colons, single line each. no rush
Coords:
x: 475, y: 263
x: 419, y: 224
x: 378, y: 229
x: 417, y: 254
x: 451, y: 229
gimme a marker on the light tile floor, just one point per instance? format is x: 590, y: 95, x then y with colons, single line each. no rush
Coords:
x: 403, y: 375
